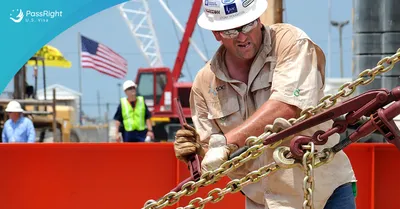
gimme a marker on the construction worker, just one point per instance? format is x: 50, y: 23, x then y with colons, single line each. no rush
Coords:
x: 260, y: 75
x: 133, y: 115
x: 17, y: 129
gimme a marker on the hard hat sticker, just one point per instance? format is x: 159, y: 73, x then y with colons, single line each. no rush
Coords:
x: 230, y: 9
x: 227, y: 1
x: 246, y: 3
x: 213, y: 11
x: 211, y: 3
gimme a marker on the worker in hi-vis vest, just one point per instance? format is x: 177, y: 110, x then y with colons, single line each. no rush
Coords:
x: 132, y: 118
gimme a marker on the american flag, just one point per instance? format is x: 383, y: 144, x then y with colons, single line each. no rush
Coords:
x: 99, y: 57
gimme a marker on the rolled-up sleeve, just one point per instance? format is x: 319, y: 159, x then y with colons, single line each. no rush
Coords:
x: 298, y: 77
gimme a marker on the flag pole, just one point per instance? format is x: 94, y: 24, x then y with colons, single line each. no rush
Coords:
x: 80, y: 77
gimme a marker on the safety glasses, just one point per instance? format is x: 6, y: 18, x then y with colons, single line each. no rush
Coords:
x: 130, y: 88
x: 233, y: 33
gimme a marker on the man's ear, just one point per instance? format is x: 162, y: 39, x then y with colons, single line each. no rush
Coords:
x: 217, y: 35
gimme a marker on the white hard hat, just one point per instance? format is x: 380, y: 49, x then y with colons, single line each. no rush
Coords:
x: 221, y: 15
x: 14, y: 106
x: 129, y: 83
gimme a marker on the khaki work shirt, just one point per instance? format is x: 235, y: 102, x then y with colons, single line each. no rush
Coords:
x: 289, y: 68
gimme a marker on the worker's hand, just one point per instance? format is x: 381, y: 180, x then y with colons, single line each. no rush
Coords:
x: 187, y: 143
x: 150, y: 134
x: 218, y: 152
x: 118, y: 138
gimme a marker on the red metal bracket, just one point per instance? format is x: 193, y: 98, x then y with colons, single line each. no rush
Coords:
x: 371, y: 103
x: 356, y: 107
x: 193, y: 161
x: 382, y: 121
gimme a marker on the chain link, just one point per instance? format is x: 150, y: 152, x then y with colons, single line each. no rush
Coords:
x: 233, y: 186
x: 257, y: 148
x: 308, y: 182
x: 348, y: 88
x: 208, y: 178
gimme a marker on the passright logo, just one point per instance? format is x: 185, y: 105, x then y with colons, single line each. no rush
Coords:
x: 19, y: 15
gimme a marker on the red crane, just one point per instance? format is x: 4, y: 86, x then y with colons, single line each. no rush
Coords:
x: 159, y: 86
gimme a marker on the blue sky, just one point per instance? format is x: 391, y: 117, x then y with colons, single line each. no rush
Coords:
x: 109, y: 28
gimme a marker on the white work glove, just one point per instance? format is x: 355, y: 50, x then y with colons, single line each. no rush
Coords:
x: 218, y: 152
x: 147, y: 139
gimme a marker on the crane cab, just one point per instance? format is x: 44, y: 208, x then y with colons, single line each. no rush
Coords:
x: 158, y: 88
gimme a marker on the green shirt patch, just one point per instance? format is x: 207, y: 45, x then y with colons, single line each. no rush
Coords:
x: 296, y: 92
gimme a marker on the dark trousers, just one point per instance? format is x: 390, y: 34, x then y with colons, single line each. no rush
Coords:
x: 343, y: 198
x: 134, y: 136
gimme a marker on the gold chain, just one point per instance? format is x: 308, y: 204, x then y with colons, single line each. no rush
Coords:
x: 256, y: 143
x: 308, y: 182
x: 234, y: 186
x: 207, y: 178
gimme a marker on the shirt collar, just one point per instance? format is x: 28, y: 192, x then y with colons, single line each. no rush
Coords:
x: 18, y: 121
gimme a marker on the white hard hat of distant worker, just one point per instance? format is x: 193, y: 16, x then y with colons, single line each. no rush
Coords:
x: 128, y: 84
x: 221, y: 15
x: 14, y: 106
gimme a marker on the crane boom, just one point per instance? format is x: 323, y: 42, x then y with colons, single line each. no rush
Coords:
x: 136, y: 14
x: 190, y: 26
x: 159, y: 86
x: 179, y: 25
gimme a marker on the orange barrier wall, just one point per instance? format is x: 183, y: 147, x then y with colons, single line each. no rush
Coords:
x: 124, y: 176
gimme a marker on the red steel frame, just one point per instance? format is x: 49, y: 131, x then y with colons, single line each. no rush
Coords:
x: 172, y: 77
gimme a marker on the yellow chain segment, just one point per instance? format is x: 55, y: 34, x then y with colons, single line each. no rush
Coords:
x: 207, y: 178
x: 308, y: 182
x: 255, y: 143
x: 233, y: 186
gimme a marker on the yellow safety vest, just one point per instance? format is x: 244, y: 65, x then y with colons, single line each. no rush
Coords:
x: 133, y: 119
